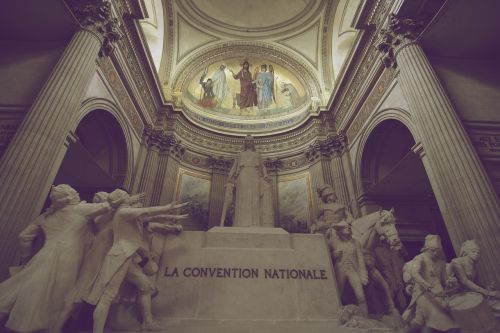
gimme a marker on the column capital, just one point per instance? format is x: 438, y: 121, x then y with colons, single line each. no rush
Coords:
x: 157, y: 138
x: 333, y: 145
x: 220, y: 163
x: 398, y: 33
x: 273, y: 164
x: 96, y: 17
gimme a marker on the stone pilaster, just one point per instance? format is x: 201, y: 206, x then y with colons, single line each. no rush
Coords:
x: 465, y: 195
x: 273, y: 166
x: 339, y: 181
x: 160, y: 147
x: 27, y: 167
x: 326, y: 166
x: 169, y: 181
x: 329, y: 152
x: 163, y: 158
x: 220, y: 168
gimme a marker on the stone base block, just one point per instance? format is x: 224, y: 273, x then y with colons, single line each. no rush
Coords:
x: 242, y: 274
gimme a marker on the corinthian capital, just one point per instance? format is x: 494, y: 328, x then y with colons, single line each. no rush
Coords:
x: 398, y: 31
x: 96, y: 16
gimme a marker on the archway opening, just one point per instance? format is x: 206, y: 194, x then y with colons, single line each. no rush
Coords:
x: 393, y: 175
x: 97, y: 159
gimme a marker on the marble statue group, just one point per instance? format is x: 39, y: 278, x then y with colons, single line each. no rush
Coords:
x: 368, y: 256
x: 76, y: 265
x: 91, y: 249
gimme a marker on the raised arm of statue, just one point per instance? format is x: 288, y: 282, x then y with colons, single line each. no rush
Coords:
x: 145, y: 212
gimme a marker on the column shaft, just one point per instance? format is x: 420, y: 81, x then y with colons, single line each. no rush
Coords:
x: 28, y: 164
x: 467, y: 200
x: 216, y: 198
x: 170, y: 181
x: 339, y: 181
x: 159, y: 179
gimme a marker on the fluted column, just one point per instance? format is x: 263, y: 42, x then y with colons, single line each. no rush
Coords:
x: 220, y: 169
x: 273, y: 166
x: 169, y: 181
x: 159, y: 178
x: 316, y: 181
x: 466, y: 197
x: 159, y: 148
x: 149, y: 174
x: 326, y: 166
x: 27, y: 165
x: 339, y: 181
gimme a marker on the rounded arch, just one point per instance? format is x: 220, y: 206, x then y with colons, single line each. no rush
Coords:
x: 389, y: 173
x: 390, y: 114
x: 109, y: 112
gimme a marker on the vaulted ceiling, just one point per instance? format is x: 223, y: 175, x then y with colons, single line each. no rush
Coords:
x: 307, y: 42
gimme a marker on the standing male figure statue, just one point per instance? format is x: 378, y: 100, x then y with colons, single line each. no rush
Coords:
x: 119, y: 264
x: 349, y: 262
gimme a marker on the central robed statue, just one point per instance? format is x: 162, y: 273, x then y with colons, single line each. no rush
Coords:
x: 250, y: 188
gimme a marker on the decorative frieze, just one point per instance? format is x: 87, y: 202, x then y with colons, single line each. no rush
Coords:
x: 122, y: 96
x: 371, y: 102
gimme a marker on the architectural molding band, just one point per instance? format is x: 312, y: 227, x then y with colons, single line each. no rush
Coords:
x: 466, y: 197
x: 26, y: 169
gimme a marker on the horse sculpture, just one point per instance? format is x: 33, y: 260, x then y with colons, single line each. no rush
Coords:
x: 371, y: 228
x: 376, y: 233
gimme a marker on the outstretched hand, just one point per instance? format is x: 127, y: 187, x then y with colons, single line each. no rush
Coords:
x: 136, y: 198
x: 176, y: 205
x: 180, y: 217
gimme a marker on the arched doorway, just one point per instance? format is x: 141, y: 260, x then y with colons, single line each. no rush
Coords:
x: 97, y: 159
x: 392, y: 175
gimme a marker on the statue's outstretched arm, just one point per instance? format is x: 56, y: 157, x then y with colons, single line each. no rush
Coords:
x: 146, y: 212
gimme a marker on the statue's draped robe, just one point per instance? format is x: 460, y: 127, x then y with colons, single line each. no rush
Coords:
x: 252, y: 208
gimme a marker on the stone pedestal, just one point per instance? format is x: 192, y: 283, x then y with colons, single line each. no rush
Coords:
x: 242, y: 274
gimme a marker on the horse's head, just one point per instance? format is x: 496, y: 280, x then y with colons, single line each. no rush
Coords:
x: 386, y: 228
